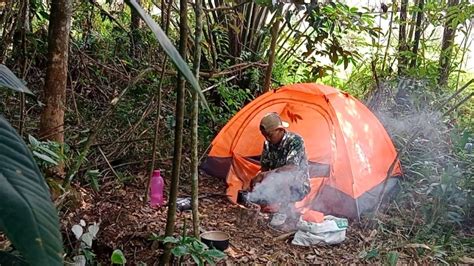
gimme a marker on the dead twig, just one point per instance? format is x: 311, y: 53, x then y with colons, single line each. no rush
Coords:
x: 126, y: 146
x: 122, y: 141
x: 104, y: 12
x: 108, y: 163
x: 219, y: 83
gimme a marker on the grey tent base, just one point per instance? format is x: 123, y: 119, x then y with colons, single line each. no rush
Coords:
x: 331, y: 201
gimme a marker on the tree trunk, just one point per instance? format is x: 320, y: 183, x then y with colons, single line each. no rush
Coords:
x: 402, y: 39
x: 271, y: 57
x: 235, y: 40
x: 446, y: 46
x: 52, y: 117
x: 24, y: 29
x: 418, y: 29
x: 8, y: 23
x: 178, y: 133
x: 134, y: 31
x: 194, y: 123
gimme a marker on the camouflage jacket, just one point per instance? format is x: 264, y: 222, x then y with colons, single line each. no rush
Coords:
x: 290, y: 151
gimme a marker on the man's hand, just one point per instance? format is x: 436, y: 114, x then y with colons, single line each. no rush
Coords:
x: 257, y: 179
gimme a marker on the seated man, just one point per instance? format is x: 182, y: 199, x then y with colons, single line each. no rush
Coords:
x: 283, y: 154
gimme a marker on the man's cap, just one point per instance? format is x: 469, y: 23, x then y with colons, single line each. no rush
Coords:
x: 272, y: 121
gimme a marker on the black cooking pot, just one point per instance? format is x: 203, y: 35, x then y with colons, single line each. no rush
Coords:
x: 243, y: 197
x: 216, y: 239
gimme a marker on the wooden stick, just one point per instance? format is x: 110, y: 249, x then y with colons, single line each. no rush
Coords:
x: 284, y: 236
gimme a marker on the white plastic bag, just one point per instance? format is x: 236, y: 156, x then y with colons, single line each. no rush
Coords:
x: 331, y: 231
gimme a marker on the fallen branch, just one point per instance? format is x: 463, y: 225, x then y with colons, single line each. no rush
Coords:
x: 213, y: 74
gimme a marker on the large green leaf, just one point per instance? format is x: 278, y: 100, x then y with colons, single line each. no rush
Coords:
x: 27, y: 215
x: 170, y: 50
x: 9, y: 80
x: 11, y: 259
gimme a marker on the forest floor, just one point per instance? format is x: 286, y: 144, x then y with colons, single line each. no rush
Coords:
x: 127, y: 223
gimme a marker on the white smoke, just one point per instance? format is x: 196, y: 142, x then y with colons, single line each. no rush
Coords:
x: 275, y: 188
x: 413, y: 120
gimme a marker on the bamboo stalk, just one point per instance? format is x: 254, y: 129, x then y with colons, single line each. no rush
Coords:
x: 178, y: 134
x: 261, y: 19
x: 466, y: 40
x: 458, y: 104
x: 271, y: 57
x: 194, y: 122
x: 394, y: 5
x: 290, y: 34
x: 416, y: 42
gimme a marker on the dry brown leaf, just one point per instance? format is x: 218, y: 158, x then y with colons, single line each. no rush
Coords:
x: 252, y: 251
x: 231, y: 252
x: 373, y: 234
x: 316, y: 251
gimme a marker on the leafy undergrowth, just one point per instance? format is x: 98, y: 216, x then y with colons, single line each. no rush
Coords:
x: 127, y: 224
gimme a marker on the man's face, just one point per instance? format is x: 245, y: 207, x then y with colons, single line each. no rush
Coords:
x: 273, y: 136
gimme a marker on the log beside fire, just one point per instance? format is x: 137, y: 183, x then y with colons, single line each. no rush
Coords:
x: 248, y: 215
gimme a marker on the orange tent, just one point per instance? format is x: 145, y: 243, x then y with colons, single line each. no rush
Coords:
x: 348, y: 149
